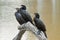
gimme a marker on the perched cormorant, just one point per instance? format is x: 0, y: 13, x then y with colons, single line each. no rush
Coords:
x: 26, y: 16
x: 22, y: 15
x: 19, y: 17
x: 39, y: 24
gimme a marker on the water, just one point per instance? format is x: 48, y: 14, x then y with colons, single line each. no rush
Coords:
x: 8, y: 23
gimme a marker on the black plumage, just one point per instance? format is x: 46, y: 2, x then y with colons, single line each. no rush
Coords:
x: 22, y: 15
x: 19, y: 17
x: 39, y: 24
x: 26, y: 16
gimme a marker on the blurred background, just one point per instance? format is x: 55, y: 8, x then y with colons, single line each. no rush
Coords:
x: 49, y: 11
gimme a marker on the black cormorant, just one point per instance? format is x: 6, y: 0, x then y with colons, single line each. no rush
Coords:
x: 19, y: 17
x: 39, y: 24
x: 26, y: 16
x: 22, y: 15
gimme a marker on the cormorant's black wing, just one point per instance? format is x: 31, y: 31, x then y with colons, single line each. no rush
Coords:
x: 26, y: 16
x: 19, y: 18
x: 40, y: 25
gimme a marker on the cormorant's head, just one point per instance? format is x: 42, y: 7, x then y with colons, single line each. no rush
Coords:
x: 23, y: 7
x: 37, y: 15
